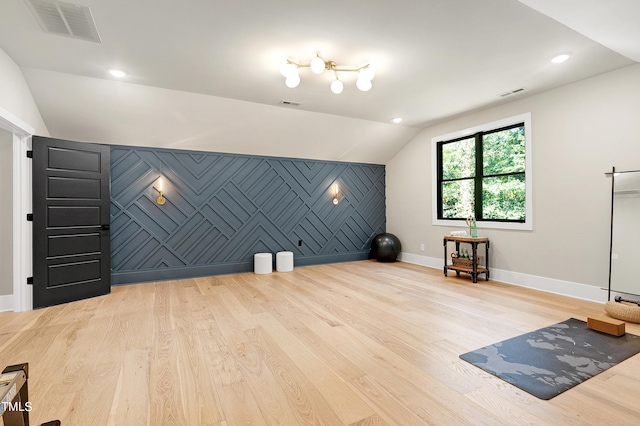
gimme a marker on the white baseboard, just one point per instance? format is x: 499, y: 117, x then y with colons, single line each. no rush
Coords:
x: 549, y: 285
x: 6, y: 303
x: 431, y: 262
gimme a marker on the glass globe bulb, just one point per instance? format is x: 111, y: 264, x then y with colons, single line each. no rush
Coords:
x: 288, y: 69
x: 317, y: 65
x: 292, y: 81
x: 363, y: 85
x: 366, y: 74
x: 337, y: 87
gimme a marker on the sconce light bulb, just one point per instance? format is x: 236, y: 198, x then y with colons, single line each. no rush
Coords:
x: 159, y: 187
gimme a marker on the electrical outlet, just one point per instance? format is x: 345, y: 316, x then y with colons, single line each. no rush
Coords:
x: 421, y: 247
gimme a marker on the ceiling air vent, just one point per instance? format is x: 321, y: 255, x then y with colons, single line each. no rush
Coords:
x: 512, y: 92
x: 65, y: 19
x: 290, y: 103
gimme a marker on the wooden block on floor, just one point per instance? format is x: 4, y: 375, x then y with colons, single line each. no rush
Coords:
x: 606, y: 325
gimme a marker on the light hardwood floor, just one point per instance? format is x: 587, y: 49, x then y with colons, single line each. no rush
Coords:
x: 361, y: 343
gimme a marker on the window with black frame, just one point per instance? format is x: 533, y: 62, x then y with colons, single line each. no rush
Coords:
x: 483, y: 175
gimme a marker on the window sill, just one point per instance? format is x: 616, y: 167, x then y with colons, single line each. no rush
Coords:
x: 526, y: 226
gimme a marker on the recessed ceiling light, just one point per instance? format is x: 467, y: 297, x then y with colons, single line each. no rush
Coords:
x: 558, y: 59
x: 397, y: 120
x: 117, y: 73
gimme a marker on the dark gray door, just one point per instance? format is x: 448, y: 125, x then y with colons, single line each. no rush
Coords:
x: 71, y: 239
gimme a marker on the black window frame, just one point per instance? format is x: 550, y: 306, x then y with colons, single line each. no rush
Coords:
x: 479, y: 174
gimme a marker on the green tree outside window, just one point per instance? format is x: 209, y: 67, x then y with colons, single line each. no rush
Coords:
x: 483, y: 175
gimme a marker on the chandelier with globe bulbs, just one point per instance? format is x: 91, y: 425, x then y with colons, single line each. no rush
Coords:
x: 290, y: 70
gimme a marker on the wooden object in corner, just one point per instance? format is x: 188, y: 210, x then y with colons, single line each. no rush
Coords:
x: 606, y: 325
x: 472, y: 266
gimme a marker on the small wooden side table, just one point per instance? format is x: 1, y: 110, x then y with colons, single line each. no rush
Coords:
x: 475, y: 269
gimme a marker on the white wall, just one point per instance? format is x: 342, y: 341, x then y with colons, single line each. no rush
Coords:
x: 579, y: 132
x: 6, y: 212
x: 15, y: 96
x: 18, y: 112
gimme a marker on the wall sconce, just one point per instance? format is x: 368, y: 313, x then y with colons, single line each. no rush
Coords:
x: 336, y: 190
x: 158, y: 187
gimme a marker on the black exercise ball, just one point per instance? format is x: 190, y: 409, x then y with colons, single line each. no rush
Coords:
x: 385, y: 247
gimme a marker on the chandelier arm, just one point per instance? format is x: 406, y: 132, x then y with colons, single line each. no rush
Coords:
x: 298, y: 64
x: 351, y: 69
x: 330, y: 65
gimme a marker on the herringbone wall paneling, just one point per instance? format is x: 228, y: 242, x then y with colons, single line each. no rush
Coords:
x: 221, y: 209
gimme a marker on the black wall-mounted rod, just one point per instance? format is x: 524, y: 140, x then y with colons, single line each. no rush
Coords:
x: 613, y: 178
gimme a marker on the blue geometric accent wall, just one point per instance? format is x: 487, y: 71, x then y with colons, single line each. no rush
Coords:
x: 221, y: 209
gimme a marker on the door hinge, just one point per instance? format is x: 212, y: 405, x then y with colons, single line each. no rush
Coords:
x: 29, y: 154
x: 30, y: 217
x: 30, y: 280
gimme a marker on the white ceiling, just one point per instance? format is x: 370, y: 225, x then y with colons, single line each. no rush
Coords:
x: 205, y: 74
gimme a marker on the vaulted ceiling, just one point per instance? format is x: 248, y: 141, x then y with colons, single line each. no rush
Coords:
x: 205, y: 74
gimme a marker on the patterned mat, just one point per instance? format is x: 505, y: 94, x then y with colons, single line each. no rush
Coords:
x: 551, y: 360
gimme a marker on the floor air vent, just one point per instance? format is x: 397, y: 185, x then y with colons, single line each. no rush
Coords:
x: 66, y: 19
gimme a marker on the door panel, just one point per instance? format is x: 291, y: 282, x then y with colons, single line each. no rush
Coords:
x: 72, y: 216
x: 71, y: 159
x: 71, y: 241
x: 72, y: 188
x: 67, y: 245
x: 74, y: 273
